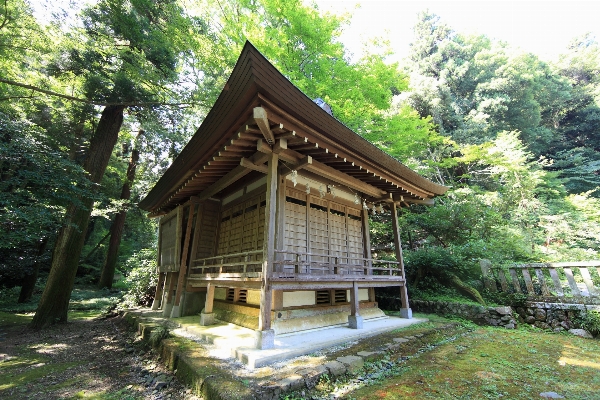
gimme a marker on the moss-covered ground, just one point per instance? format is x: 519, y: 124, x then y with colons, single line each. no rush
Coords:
x: 493, y: 363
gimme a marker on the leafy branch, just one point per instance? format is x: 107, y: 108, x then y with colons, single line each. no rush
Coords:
x: 94, y: 102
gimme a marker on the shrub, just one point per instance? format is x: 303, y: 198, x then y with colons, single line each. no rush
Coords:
x: 591, y: 322
x: 142, y: 278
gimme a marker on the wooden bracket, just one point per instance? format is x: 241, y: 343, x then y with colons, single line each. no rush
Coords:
x: 263, y: 147
x: 246, y: 163
x: 280, y: 145
x: 285, y: 170
x: 260, y: 117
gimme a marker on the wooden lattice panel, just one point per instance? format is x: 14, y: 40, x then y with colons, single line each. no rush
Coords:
x: 209, y: 214
x: 295, y: 223
x: 355, y: 236
x: 338, y: 235
x: 319, y: 232
x: 168, y: 239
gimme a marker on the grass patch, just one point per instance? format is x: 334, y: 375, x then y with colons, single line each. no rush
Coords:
x: 20, y: 372
x: 494, y: 363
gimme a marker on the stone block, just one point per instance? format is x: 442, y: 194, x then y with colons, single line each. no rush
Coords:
x: 539, y: 314
x: 530, y: 319
x: 541, y: 325
x: 355, y: 322
x: 581, y: 333
x: 207, y: 319
x: 406, y: 313
x: 400, y: 340
x: 368, y: 355
x: 292, y: 382
x: 175, y: 312
x: 264, y: 339
x: 353, y: 364
x: 503, y: 310
x: 312, y: 375
x: 335, y: 368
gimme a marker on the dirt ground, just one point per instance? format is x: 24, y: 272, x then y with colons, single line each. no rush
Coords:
x: 84, y: 359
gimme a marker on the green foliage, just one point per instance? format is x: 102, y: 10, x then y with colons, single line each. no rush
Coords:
x: 506, y: 299
x: 591, y: 322
x: 141, y: 280
x: 37, y: 182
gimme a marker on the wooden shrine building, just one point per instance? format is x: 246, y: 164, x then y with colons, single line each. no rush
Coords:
x: 264, y: 214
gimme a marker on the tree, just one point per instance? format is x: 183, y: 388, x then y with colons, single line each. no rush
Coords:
x: 126, y: 54
x: 116, y: 228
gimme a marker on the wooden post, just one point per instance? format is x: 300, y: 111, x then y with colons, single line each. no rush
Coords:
x: 405, y: 311
x: 366, y: 238
x: 168, y: 294
x: 158, y: 294
x: 355, y: 321
x: 168, y: 302
x: 156, y: 303
x: 265, y: 336
x: 206, y: 316
x: 176, y: 310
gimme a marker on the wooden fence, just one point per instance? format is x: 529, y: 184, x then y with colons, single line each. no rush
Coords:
x: 565, y: 282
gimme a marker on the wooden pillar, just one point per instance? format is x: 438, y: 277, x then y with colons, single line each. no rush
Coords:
x: 158, y: 294
x: 168, y: 295
x: 156, y: 303
x: 366, y: 238
x: 171, y: 276
x: 265, y: 336
x: 206, y: 316
x: 355, y: 321
x: 405, y: 311
x: 176, y: 311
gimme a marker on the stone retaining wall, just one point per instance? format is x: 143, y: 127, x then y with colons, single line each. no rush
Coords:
x: 481, y: 315
x: 552, y: 316
x: 555, y: 316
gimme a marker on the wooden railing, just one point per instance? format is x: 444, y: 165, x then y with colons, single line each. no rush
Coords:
x: 249, y: 261
x: 305, y: 263
x: 288, y: 262
x: 564, y: 281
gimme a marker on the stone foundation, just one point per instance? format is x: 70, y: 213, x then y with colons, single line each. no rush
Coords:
x: 294, y: 319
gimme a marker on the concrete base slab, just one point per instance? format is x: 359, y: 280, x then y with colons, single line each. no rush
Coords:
x: 406, y: 313
x: 231, y: 340
x: 355, y: 322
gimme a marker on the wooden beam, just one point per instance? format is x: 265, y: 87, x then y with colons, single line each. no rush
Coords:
x: 286, y: 170
x: 333, y: 174
x: 244, y: 162
x: 260, y: 117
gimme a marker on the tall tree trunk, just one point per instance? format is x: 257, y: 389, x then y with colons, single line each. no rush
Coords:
x: 116, y: 229
x: 54, y: 303
x: 28, y: 283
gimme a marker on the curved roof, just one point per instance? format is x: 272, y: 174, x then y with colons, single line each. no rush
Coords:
x: 231, y: 131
